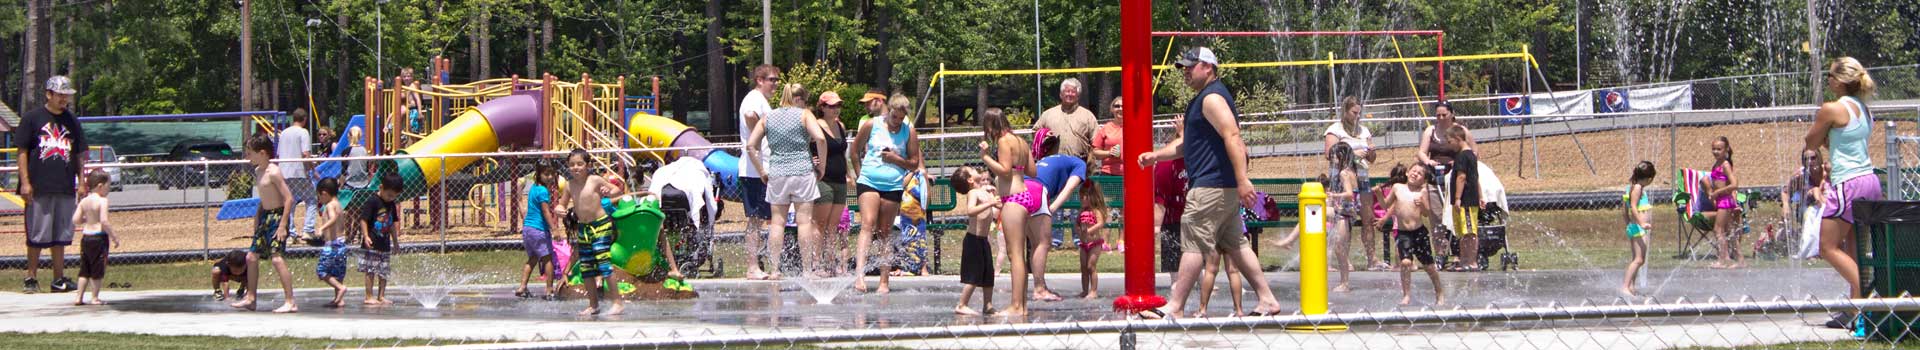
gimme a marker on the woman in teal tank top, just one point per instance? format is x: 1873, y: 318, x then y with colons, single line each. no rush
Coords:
x: 1842, y: 127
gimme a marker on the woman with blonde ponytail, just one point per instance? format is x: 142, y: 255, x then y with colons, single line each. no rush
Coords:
x: 1843, y: 126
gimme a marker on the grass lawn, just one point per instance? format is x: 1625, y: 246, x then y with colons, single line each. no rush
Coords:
x: 1837, y: 344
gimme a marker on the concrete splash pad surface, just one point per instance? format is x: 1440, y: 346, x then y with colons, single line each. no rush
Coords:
x: 729, y: 307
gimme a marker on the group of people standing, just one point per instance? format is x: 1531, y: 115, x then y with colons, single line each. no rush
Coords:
x: 799, y: 158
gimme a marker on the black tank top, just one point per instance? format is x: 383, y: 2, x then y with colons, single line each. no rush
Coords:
x: 836, y: 171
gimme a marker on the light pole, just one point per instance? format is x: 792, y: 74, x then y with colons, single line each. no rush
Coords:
x: 311, y: 22
x: 379, y: 53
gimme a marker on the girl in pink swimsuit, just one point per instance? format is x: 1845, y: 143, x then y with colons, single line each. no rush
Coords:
x: 1724, y: 185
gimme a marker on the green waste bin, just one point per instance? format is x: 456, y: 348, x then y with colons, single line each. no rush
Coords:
x: 1889, y: 254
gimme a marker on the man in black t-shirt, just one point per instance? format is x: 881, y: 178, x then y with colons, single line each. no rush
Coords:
x: 53, y: 150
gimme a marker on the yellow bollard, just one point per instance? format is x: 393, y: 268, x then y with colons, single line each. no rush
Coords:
x: 1313, y: 255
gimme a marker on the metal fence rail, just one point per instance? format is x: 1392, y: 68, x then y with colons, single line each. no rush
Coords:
x: 1644, y: 324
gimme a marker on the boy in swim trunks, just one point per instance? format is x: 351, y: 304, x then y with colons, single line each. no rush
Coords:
x: 976, y: 254
x: 269, y: 231
x: 91, y: 218
x: 332, y: 265
x: 594, y: 242
x: 380, y: 219
x: 1409, y: 209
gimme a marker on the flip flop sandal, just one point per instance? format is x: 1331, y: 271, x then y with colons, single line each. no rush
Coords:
x: 1152, y: 314
x: 522, y: 294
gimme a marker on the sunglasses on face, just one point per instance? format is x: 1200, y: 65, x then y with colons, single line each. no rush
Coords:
x: 833, y: 106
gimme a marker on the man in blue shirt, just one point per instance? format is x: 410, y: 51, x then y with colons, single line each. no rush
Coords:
x: 1208, y: 138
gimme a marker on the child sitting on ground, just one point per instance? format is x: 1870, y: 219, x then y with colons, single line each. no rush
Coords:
x: 232, y: 268
x: 1409, y: 209
x: 331, y: 267
x: 269, y: 231
x: 91, y: 217
x: 1092, y: 231
x: 1634, y: 208
x: 380, y: 220
x: 976, y: 254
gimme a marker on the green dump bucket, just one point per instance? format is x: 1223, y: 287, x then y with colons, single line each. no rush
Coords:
x: 638, y: 225
x: 1889, y: 258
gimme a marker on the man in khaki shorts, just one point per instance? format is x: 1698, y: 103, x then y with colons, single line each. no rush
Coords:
x: 1208, y: 138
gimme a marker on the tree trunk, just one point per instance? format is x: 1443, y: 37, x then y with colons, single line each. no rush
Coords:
x: 679, y: 85
x: 882, y: 64
x: 246, y: 55
x: 1080, y: 60
x: 533, y: 63
x: 344, y: 82
x: 38, y: 55
x: 720, y: 118
x: 980, y: 97
x: 473, y: 52
x: 485, y: 67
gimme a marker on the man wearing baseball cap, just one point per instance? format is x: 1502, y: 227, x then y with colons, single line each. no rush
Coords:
x: 53, y: 150
x: 876, y: 103
x: 1208, y: 138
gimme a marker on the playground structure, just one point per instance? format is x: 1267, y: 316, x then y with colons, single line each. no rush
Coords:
x: 509, y: 114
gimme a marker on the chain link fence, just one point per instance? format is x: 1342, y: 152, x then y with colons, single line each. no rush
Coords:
x: 192, y: 211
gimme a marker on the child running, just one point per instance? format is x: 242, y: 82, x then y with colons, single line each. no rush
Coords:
x: 1093, y: 238
x: 1726, y: 208
x: 594, y: 242
x: 534, y: 231
x: 332, y: 265
x: 976, y: 254
x: 380, y: 219
x: 1408, y: 207
x: 269, y: 231
x: 1634, y: 208
x: 91, y: 217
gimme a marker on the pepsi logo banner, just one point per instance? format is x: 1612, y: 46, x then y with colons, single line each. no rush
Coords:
x: 1515, y: 105
x: 1613, y: 101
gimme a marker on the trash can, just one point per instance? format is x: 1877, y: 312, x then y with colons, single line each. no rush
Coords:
x: 1888, y: 249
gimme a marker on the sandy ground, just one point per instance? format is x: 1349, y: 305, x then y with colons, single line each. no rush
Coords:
x: 1765, y: 154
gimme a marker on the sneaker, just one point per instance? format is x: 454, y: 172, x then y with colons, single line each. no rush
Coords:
x: 62, y: 285
x: 31, y: 286
x: 1840, y: 321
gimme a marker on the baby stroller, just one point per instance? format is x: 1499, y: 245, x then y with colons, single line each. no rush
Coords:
x: 692, y: 244
x: 1691, y: 202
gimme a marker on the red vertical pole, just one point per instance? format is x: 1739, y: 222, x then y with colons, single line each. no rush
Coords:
x: 1136, y: 87
x: 1440, y: 49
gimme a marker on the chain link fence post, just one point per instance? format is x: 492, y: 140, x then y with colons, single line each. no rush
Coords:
x: 206, y: 221
x: 438, y: 209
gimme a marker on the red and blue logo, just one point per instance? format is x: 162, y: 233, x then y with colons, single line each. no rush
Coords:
x: 1614, y: 101
x: 1516, y: 105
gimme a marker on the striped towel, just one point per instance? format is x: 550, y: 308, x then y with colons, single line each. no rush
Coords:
x: 1690, y: 180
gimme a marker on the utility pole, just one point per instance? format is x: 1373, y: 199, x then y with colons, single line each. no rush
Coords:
x: 766, y: 31
x: 1038, y: 90
x: 1813, y: 53
x: 246, y: 55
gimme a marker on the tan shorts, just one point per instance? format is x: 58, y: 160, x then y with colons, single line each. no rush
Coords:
x: 791, y: 189
x: 1212, y: 221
